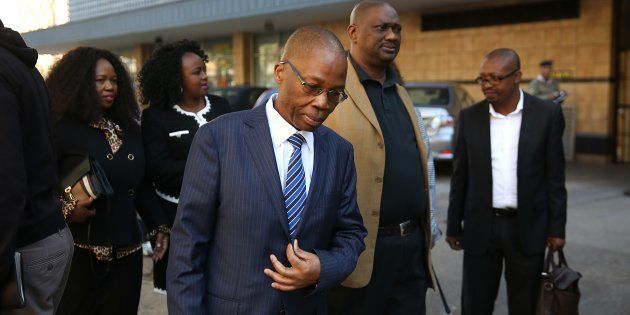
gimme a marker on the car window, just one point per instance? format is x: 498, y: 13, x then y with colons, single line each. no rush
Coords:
x: 429, y: 96
x: 232, y: 97
x: 253, y: 96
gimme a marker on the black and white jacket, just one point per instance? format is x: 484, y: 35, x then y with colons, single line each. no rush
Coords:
x: 168, y: 134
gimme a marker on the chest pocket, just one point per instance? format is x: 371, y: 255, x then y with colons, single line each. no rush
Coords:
x: 179, y: 143
x: 178, y: 134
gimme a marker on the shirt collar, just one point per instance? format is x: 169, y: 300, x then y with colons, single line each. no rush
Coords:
x: 280, y: 129
x: 519, y: 107
x: 391, y: 77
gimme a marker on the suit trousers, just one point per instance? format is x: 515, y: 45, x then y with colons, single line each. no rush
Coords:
x: 398, y: 284
x: 46, y: 265
x: 482, y: 273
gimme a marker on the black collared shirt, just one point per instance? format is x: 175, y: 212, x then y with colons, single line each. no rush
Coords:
x: 403, y: 195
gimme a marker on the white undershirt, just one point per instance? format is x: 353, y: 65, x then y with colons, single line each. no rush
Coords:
x: 504, y: 139
x: 281, y: 130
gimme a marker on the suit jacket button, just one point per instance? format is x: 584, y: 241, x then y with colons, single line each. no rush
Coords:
x: 380, y: 145
x: 131, y: 192
x: 130, y: 157
x: 109, y: 156
x: 375, y: 213
x: 378, y: 180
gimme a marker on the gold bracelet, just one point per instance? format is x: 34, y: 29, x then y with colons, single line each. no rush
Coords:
x: 68, y: 205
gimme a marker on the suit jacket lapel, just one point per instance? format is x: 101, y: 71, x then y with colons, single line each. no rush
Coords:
x: 320, y: 168
x: 357, y: 93
x: 524, y: 135
x: 482, y: 117
x: 260, y: 146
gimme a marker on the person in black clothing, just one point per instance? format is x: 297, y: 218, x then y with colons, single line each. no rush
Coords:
x: 96, y: 113
x: 508, y: 200
x: 174, y: 84
x: 31, y: 217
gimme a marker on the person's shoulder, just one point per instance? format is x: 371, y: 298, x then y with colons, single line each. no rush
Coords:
x: 227, y: 121
x: 334, y: 138
x: 67, y: 123
x: 157, y: 113
x: 539, y: 104
x: 12, y: 70
x: 219, y: 102
x: 216, y: 98
x: 479, y: 106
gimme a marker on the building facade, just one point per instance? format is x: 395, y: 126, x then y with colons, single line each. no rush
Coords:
x: 443, y: 40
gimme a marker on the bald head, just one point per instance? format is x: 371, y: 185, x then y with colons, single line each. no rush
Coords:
x: 359, y: 10
x: 509, y: 56
x: 306, y: 40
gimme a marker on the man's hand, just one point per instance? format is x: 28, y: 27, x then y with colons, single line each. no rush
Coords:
x: 82, y: 212
x: 555, y: 243
x: 161, y: 246
x: 304, y: 270
x: 455, y: 242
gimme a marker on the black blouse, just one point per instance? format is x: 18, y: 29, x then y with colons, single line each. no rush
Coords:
x: 125, y: 171
x: 168, y: 134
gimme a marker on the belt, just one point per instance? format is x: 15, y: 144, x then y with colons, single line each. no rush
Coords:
x: 504, y: 212
x: 401, y: 229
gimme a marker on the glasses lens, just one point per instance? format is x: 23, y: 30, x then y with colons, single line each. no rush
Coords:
x: 312, y: 89
x: 336, y: 96
x: 494, y: 80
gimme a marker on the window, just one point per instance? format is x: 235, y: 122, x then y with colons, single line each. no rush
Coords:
x: 128, y: 58
x: 220, y: 65
x: 267, y: 51
x: 422, y: 96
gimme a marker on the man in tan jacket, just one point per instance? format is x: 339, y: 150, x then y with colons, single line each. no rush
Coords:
x: 379, y: 120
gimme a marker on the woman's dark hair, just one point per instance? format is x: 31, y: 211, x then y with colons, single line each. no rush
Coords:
x: 71, y: 85
x: 161, y: 76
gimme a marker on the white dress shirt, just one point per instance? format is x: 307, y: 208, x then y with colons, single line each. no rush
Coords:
x: 281, y: 130
x: 504, y: 138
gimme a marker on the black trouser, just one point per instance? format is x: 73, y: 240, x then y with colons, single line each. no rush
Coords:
x: 398, y: 284
x: 482, y: 273
x: 96, y: 292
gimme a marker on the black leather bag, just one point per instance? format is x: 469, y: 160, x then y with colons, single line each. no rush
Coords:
x: 82, y: 177
x: 12, y: 291
x: 559, y: 292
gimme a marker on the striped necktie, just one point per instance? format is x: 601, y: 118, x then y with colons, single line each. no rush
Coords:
x: 295, y: 188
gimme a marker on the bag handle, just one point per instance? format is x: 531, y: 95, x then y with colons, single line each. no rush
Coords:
x: 550, y: 262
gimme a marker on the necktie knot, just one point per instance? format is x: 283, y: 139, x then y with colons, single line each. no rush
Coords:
x: 296, y: 140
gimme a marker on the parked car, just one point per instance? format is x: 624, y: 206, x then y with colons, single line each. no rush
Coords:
x: 240, y: 97
x: 439, y: 104
x: 264, y: 96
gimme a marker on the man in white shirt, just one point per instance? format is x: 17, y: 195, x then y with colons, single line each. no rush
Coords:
x: 507, y: 198
x: 268, y: 218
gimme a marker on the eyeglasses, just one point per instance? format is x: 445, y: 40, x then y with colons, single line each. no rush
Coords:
x: 335, y: 96
x: 382, y: 28
x: 493, y: 79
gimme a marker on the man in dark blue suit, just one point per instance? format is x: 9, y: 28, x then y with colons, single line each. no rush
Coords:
x: 268, y: 219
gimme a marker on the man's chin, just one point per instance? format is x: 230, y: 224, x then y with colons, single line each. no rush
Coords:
x: 306, y: 126
x: 388, y: 57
